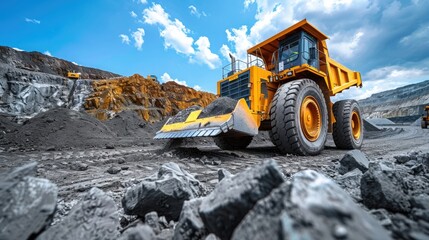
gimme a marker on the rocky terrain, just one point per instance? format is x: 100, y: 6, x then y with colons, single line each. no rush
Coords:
x: 404, y: 104
x: 31, y: 83
x: 88, y: 168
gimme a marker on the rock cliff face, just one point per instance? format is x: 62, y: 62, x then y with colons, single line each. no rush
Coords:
x: 150, y: 99
x: 38, y: 62
x: 31, y: 82
x: 400, y: 102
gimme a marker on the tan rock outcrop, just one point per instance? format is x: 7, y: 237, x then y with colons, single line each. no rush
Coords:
x: 150, y: 99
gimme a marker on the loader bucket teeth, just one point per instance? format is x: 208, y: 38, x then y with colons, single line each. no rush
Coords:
x: 239, y: 122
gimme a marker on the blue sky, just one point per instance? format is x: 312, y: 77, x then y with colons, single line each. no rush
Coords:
x: 188, y: 40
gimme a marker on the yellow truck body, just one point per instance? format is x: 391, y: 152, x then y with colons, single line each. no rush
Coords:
x: 293, y: 64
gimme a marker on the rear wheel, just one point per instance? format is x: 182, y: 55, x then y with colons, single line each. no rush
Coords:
x: 348, y: 127
x: 299, y: 118
x: 232, y: 143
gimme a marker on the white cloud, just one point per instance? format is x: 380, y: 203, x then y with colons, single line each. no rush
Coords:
x: 225, y: 51
x: 75, y: 63
x: 196, y: 12
x: 138, y: 38
x: 17, y: 49
x: 175, y: 34
x: 198, y: 88
x: 125, y: 39
x: 48, y: 53
x: 133, y: 14
x: 35, y: 21
x: 167, y: 78
x: 383, y: 79
x: 204, y: 55
x: 143, y: 1
x: 345, y: 46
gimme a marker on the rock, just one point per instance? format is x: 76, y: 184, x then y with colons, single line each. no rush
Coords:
x: 223, y: 173
x: 190, y: 225
x: 224, y: 208
x: 310, y: 206
x: 113, y: 170
x: 220, y: 106
x: 79, y: 166
x: 353, y: 159
x: 164, y: 192
x: 350, y: 182
x: 152, y: 220
x: 401, y: 159
x: 211, y: 236
x: 27, y: 203
x: 141, y: 232
x: 94, y: 217
x: 421, y: 201
x: 382, y: 216
x: 411, y: 163
x: 383, y: 189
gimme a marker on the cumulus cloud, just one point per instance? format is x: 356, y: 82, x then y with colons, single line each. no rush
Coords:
x: 75, y: 63
x: 17, y: 49
x: 167, y: 78
x: 175, y: 34
x: 48, y: 53
x: 35, y: 21
x: 138, y: 38
x: 133, y: 14
x: 196, y: 12
x: 198, y: 88
x: 204, y: 55
x: 142, y: 1
x: 125, y: 39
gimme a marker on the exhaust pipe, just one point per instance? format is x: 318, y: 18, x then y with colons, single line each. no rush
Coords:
x: 233, y: 64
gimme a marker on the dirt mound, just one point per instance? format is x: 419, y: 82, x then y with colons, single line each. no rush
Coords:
x: 61, y: 128
x: 129, y: 124
x: 183, y: 115
x: 7, y: 125
x: 220, y: 106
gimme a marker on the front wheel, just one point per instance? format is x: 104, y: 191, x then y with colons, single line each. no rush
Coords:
x: 348, y: 127
x: 299, y: 118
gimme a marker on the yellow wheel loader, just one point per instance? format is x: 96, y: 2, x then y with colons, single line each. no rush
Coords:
x: 284, y: 88
x: 425, y: 119
x: 73, y: 75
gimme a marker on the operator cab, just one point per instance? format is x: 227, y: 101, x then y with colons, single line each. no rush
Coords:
x: 298, y: 49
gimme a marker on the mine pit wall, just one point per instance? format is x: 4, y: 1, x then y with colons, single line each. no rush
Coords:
x: 24, y: 94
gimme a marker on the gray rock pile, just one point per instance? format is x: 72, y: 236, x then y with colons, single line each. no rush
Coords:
x: 27, y: 203
x: 396, y: 190
x: 60, y: 128
x: 164, y: 192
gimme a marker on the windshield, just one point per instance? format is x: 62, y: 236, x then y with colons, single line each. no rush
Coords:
x: 289, y: 52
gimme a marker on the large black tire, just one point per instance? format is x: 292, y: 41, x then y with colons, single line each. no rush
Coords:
x: 424, y: 124
x: 289, y: 129
x: 232, y: 143
x: 348, y: 126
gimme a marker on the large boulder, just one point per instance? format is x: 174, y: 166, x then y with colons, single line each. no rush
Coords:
x: 27, y: 203
x: 350, y: 182
x: 224, y: 208
x: 190, y: 225
x: 310, y: 206
x: 140, y: 232
x: 164, y: 193
x: 352, y: 160
x: 383, y: 188
x: 94, y: 217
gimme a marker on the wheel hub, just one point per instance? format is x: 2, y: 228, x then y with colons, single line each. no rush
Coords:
x: 310, y: 118
x: 355, y: 125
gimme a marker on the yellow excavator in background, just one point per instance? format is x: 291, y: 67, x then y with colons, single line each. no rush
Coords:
x: 73, y: 75
x: 425, y: 119
x: 284, y: 88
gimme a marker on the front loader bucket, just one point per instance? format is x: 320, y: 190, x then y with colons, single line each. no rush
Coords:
x: 239, y: 122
